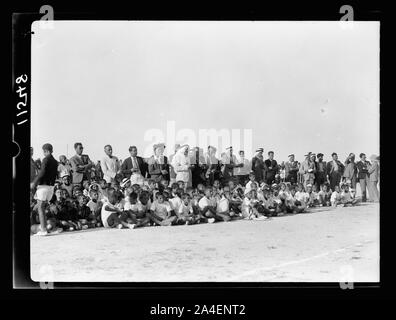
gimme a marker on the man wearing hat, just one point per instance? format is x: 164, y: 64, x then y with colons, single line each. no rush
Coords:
x: 134, y: 167
x: 213, y: 171
x: 158, y: 165
x: 321, y: 174
x: 258, y: 165
x: 334, y: 170
x: 363, y: 175
x: 271, y: 168
x: 373, y: 171
x: 308, y: 169
x: 291, y: 169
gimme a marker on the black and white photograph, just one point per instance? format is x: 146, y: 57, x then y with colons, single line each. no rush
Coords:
x: 205, y: 151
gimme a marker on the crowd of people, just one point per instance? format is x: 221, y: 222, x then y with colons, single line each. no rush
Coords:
x: 189, y: 187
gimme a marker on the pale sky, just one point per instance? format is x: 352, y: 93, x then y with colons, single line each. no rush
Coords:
x: 298, y: 86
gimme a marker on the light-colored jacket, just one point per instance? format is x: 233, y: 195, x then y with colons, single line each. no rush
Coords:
x: 373, y: 171
x: 305, y: 166
x: 78, y: 174
x: 181, y: 165
x: 110, y: 167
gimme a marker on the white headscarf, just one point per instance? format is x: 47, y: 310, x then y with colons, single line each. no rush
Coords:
x: 180, y: 157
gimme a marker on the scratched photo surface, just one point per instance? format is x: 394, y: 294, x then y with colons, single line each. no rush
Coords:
x: 286, y: 87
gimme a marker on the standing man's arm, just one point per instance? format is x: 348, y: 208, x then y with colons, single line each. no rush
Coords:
x: 40, y: 174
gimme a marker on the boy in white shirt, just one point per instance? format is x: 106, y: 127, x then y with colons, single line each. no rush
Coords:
x: 335, y: 198
x: 347, y: 198
x: 185, y: 212
x: 206, y: 205
x: 160, y: 211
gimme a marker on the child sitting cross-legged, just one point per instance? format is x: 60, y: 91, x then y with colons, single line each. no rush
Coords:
x: 347, y: 198
x: 207, y: 206
x: 161, y: 211
x: 111, y: 213
x: 250, y: 206
x: 185, y: 213
x: 324, y: 195
x: 132, y: 213
x: 86, y: 218
x: 64, y: 212
x: 336, y: 197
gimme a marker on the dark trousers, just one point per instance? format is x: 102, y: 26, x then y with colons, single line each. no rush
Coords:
x: 364, y: 184
x: 335, y: 179
x: 320, y: 179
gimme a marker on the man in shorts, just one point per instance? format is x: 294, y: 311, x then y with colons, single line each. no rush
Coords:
x: 44, y: 185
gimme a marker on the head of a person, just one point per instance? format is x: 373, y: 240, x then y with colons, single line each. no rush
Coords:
x: 216, y: 183
x: 324, y: 187
x: 314, y: 188
x: 334, y: 156
x: 66, y: 180
x: 231, y: 185
x: 300, y: 187
x: 133, y: 196
x: 345, y: 187
x: 259, y: 152
x: 283, y: 186
x: 63, y: 159
x: 292, y: 191
x: 253, y: 186
x: 313, y: 157
x: 159, y: 150
x: 186, y: 198
x: 144, y: 197
x: 320, y: 157
x: 181, y: 184
x: 133, y: 151
x: 253, y: 194
x: 208, y: 192
x: 187, y: 150
x: 252, y: 177
x: 179, y: 192
x: 78, y: 147
x: 77, y: 191
x: 151, y: 184
x: 242, y: 154
x: 112, y: 195
x: 337, y: 188
x: 108, y: 150
x: 291, y: 157
x: 271, y: 155
x: 309, y: 188
x: 164, y: 183
x: 59, y: 194
x: 80, y: 200
x: 47, y: 149
x: 200, y: 187
x: 226, y: 192
x: 160, y: 197
x: 94, y: 194
x: 362, y: 157
x: 351, y: 157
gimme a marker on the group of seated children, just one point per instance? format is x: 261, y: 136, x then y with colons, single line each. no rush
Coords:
x: 158, y: 204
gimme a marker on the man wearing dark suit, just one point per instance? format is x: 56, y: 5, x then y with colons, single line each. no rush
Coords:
x: 81, y: 165
x: 363, y: 175
x: 158, y: 165
x: 134, y: 167
x: 271, y: 168
x: 334, y: 169
x: 291, y: 170
x: 321, y: 171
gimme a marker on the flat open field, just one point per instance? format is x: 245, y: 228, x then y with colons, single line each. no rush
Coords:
x: 328, y: 246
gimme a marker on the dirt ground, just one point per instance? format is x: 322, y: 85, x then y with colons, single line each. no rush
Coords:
x: 336, y: 245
